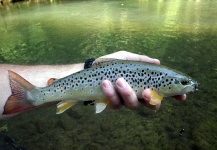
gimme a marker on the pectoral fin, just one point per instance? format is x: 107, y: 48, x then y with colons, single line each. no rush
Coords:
x: 101, y: 105
x: 63, y: 106
x: 155, y: 98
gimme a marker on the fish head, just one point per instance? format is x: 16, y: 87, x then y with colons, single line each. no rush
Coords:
x: 177, y: 85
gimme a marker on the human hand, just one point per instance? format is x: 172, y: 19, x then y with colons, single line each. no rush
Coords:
x: 125, y: 95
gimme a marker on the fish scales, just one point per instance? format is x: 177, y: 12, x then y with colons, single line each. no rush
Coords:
x: 86, y: 84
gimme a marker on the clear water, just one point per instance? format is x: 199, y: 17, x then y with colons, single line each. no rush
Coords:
x: 182, y: 34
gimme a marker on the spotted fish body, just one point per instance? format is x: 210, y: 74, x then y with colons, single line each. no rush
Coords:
x: 86, y: 84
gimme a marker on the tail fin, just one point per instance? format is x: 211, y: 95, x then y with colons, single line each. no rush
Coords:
x: 18, y: 102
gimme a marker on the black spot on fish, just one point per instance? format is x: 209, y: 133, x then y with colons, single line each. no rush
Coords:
x: 149, y: 79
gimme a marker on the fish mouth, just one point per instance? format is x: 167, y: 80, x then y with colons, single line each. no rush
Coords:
x: 196, y: 86
x: 190, y: 88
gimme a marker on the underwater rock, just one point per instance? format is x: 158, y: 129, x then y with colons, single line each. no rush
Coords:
x: 7, y: 143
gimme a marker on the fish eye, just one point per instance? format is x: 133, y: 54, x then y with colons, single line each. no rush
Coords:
x: 185, y: 82
x: 176, y: 81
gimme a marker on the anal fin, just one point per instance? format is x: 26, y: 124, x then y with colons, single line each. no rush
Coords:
x: 63, y: 106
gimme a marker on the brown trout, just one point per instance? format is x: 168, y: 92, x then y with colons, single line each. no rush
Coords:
x: 85, y: 85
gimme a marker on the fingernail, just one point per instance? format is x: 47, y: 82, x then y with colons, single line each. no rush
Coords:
x: 106, y: 84
x: 157, y: 61
x: 121, y: 83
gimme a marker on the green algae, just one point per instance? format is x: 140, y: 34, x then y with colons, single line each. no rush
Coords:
x: 4, y: 128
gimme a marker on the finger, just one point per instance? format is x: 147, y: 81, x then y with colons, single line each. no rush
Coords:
x: 127, y: 93
x: 180, y: 97
x: 111, y: 95
x: 144, y: 58
x: 146, y: 100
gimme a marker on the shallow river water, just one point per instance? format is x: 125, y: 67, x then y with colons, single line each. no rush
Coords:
x: 182, y: 34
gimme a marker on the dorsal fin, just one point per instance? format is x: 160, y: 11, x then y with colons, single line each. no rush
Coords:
x: 98, y: 61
